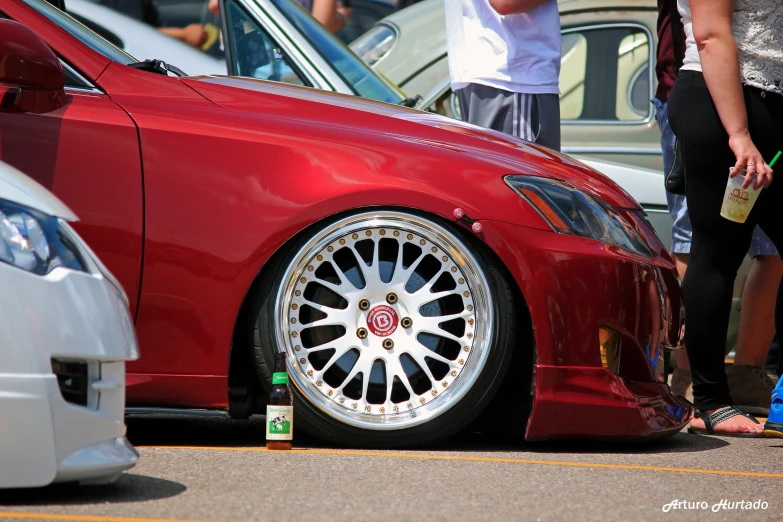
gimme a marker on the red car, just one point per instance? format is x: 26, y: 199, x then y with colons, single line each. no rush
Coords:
x: 418, y: 272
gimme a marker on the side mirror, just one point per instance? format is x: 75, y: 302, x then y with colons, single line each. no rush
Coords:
x: 31, y: 77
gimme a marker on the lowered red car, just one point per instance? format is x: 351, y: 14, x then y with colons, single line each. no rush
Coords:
x: 417, y: 272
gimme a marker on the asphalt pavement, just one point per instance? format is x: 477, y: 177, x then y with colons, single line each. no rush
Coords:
x: 217, y: 469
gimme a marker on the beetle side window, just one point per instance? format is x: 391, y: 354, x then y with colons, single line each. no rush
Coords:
x: 254, y: 53
x: 605, y: 74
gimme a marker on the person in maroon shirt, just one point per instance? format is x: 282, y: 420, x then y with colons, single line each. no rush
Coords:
x: 757, y: 327
x: 667, y: 63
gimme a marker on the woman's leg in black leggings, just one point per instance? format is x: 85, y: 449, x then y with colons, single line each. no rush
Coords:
x: 718, y: 245
x: 709, y: 283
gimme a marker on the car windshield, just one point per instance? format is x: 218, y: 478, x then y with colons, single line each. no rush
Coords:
x: 81, y: 33
x: 361, y: 78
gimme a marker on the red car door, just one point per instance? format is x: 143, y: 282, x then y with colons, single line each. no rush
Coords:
x: 88, y: 154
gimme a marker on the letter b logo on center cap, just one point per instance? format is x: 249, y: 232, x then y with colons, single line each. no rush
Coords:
x: 382, y: 321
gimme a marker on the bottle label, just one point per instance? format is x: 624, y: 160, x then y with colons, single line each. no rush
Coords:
x: 279, y: 423
x: 280, y: 378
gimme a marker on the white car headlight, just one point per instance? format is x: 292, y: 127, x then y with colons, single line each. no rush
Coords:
x: 571, y: 211
x: 374, y: 44
x: 35, y: 242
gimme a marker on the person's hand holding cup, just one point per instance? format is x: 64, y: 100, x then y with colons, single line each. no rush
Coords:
x: 749, y: 161
x: 739, y: 198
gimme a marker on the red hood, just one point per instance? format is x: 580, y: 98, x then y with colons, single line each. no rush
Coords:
x: 501, y: 153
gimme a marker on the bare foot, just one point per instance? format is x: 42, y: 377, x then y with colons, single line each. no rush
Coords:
x: 736, y: 424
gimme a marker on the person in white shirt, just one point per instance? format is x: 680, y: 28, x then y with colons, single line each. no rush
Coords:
x: 504, y: 61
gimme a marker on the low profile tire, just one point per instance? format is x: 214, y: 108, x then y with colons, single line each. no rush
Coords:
x: 398, y: 328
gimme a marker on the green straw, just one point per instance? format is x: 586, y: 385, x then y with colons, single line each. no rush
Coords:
x: 775, y: 158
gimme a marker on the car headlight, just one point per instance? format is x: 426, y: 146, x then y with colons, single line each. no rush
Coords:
x: 375, y: 44
x: 571, y: 211
x: 34, y: 242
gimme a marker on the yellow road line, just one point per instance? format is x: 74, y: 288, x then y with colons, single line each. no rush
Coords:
x: 81, y: 518
x: 428, y: 456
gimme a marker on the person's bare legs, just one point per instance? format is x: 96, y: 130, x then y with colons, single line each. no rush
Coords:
x: 681, y: 263
x: 681, y: 382
x: 757, y: 320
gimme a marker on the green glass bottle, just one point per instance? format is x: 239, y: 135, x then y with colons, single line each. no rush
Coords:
x: 280, y: 409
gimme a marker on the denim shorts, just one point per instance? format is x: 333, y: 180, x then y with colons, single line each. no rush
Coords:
x: 678, y: 207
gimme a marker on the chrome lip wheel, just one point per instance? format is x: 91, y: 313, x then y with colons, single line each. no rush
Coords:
x: 386, y: 318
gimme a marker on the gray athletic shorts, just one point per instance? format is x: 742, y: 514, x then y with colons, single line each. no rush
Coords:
x: 532, y: 117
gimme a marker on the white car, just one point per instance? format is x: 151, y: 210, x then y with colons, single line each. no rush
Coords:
x: 65, y: 336
x: 141, y: 40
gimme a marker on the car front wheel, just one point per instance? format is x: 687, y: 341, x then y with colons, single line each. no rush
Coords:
x: 398, y: 330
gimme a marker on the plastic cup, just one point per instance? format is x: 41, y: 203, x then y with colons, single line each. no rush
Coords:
x: 737, y: 201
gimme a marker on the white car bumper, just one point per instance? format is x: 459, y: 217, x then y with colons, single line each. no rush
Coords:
x: 66, y: 427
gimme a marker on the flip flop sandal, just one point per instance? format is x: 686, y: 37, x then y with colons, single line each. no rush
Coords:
x: 723, y: 414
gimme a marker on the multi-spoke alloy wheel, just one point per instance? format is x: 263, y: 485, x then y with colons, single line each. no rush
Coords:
x: 387, y: 319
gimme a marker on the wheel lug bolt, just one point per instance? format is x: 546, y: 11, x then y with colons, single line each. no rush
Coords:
x: 364, y: 304
x: 388, y: 344
x: 361, y: 333
x: 406, y: 322
x: 391, y: 298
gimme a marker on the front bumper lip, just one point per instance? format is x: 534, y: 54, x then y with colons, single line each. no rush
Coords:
x: 98, y: 463
x: 592, y: 403
x: 55, y: 441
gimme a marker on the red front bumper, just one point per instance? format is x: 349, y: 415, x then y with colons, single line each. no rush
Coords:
x: 573, y: 286
x: 593, y: 403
